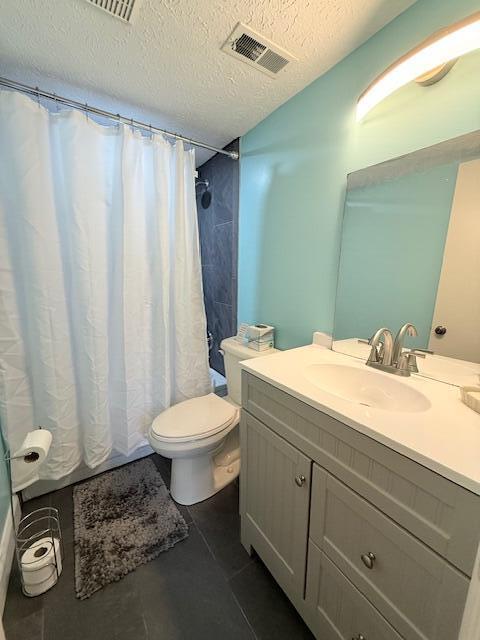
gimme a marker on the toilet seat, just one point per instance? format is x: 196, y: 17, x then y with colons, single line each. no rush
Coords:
x: 194, y: 419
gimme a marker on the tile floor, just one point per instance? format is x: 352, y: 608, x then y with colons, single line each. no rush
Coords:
x: 206, y: 587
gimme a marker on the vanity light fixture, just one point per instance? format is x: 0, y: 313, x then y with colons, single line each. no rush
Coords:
x: 427, y: 63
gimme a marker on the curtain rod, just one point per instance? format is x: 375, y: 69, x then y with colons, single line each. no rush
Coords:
x: 39, y: 93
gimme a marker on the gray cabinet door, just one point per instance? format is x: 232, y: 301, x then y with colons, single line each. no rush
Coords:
x: 418, y: 592
x: 335, y: 609
x: 274, y: 503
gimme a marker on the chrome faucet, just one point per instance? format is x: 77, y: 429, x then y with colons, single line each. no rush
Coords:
x: 408, y: 329
x: 389, y: 356
x: 381, y: 353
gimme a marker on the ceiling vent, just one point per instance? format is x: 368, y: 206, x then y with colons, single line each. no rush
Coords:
x: 247, y: 45
x: 123, y: 9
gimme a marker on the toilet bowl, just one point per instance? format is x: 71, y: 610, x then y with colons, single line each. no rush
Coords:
x: 201, y: 435
x: 201, y: 438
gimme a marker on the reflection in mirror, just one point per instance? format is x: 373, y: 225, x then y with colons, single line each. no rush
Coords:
x: 411, y: 253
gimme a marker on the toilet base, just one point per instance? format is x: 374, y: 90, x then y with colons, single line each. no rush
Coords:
x: 197, y: 478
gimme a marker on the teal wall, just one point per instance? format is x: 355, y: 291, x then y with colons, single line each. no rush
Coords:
x: 294, y: 166
x: 393, y: 239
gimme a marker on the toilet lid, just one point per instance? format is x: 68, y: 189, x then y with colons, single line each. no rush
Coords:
x: 194, y: 418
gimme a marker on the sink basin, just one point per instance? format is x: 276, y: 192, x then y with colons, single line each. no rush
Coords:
x: 366, y: 387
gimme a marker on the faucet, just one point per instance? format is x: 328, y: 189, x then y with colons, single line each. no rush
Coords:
x: 408, y: 329
x: 381, y: 353
x: 389, y: 355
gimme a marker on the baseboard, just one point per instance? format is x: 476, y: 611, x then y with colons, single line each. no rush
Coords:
x: 41, y: 487
x: 7, y: 550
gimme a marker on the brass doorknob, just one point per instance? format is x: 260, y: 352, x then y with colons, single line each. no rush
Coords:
x: 300, y: 480
x: 368, y: 559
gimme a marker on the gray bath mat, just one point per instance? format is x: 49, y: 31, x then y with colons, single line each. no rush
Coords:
x: 122, y: 519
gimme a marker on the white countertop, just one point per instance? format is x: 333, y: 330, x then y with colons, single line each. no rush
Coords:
x: 444, y: 438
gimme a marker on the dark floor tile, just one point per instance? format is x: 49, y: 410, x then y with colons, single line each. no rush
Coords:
x: 185, y: 595
x: 19, y: 607
x: 219, y: 522
x: 28, y: 628
x: 63, y: 501
x: 36, y: 503
x: 164, y: 465
x: 132, y: 633
x: 267, y: 608
x: 111, y: 613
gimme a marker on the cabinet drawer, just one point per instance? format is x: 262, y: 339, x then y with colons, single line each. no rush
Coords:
x: 439, y: 512
x: 418, y: 592
x: 335, y: 609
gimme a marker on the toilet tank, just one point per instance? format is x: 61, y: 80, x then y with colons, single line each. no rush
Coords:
x: 233, y: 353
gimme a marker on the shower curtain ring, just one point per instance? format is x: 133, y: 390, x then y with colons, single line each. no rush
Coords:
x: 38, y: 95
x: 86, y: 110
x: 56, y: 101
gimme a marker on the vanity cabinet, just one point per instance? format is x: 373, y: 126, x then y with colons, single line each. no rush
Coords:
x: 364, y: 541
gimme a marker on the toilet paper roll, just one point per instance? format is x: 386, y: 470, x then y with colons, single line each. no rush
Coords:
x: 27, y: 460
x: 41, y: 566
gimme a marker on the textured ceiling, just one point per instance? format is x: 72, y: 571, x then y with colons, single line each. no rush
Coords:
x: 167, y: 65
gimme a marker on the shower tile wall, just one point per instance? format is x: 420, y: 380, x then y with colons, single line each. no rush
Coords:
x: 219, y: 240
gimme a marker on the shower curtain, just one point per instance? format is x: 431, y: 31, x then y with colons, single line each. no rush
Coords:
x: 102, y: 322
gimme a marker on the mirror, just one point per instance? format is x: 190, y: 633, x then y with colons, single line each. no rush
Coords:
x: 410, y: 252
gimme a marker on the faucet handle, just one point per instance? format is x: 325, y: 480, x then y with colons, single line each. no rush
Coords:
x: 374, y: 355
x: 408, y: 360
x: 379, y: 347
x: 419, y: 353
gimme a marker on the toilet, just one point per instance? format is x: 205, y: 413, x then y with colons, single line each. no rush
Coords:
x: 201, y: 435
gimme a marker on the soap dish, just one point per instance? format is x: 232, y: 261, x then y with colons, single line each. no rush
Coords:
x: 471, y: 397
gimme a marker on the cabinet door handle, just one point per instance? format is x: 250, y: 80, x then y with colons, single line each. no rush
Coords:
x: 300, y: 480
x: 359, y: 637
x: 368, y: 559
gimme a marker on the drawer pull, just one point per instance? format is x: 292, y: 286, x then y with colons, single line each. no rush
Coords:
x: 359, y: 637
x: 368, y: 560
x: 300, y: 480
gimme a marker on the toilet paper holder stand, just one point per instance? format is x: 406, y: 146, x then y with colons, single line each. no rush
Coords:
x: 39, y: 550
x: 38, y: 538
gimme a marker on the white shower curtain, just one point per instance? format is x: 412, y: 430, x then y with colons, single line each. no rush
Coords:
x: 102, y: 323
